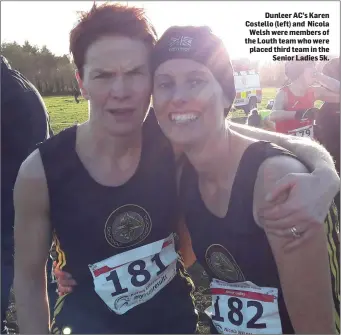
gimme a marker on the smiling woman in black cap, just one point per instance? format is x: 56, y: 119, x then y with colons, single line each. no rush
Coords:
x: 256, y: 287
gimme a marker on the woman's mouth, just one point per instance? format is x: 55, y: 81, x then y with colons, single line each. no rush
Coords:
x: 122, y: 114
x: 183, y: 118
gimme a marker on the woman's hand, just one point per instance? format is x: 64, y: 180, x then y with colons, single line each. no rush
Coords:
x: 298, y: 202
x: 65, y: 282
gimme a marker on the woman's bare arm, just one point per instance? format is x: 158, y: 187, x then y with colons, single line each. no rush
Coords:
x: 324, y: 179
x: 304, y: 272
x: 311, y: 152
x: 32, y: 234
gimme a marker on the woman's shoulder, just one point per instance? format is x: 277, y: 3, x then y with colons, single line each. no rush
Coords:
x: 274, y: 169
x: 282, y: 164
x: 258, y: 153
x: 270, y: 172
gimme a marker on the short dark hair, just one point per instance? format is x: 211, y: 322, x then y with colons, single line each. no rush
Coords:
x: 109, y: 19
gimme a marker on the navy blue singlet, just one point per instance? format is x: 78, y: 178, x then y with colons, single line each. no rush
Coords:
x: 234, y: 248
x: 92, y: 222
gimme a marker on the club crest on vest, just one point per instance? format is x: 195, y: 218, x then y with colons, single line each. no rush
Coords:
x: 222, y: 264
x: 126, y: 226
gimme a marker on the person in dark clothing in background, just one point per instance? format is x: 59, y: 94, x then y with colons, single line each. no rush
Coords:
x: 76, y: 94
x: 24, y: 124
x: 254, y: 119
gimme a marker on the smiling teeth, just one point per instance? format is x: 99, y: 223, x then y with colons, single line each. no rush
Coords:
x: 180, y: 118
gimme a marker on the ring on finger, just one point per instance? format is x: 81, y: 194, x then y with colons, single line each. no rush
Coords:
x: 294, y: 232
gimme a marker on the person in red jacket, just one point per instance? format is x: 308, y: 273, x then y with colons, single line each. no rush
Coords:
x: 295, y: 98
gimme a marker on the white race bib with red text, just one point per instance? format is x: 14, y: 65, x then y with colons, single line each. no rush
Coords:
x: 244, y: 308
x: 134, y: 277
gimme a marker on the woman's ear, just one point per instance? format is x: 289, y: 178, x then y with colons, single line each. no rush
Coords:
x: 81, y: 86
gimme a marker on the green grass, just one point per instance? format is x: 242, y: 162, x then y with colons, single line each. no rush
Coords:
x: 64, y: 111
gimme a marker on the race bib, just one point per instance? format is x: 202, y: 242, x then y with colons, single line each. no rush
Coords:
x: 307, y: 131
x: 244, y: 308
x: 134, y: 277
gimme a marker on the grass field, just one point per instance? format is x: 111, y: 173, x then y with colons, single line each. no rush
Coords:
x: 64, y: 111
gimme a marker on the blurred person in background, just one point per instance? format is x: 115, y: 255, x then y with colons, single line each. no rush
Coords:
x: 24, y: 124
x: 254, y: 119
x: 294, y: 99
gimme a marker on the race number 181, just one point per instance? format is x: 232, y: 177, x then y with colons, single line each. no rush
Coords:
x: 139, y: 275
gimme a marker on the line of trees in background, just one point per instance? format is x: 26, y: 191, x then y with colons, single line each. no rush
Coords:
x: 51, y: 75
x: 55, y: 75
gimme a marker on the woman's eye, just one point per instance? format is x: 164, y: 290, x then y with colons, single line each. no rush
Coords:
x: 165, y: 85
x: 135, y: 73
x: 196, y: 82
x: 103, y: 76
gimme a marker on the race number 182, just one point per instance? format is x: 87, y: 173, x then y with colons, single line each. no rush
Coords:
x: 235, y: 315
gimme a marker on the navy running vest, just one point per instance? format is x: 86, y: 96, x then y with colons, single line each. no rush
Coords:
x: 92, y: 222
x: 234, y: 249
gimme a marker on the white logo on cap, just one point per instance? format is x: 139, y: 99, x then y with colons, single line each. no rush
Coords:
x: 182, y: 43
